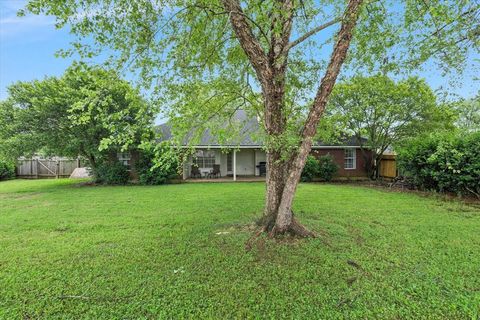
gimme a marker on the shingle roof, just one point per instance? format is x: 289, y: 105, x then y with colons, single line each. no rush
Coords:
x: 251, y: 126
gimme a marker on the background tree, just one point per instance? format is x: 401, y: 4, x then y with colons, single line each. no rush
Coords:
x: 278, y: 59
x: 380, y: 113
x: 468, y: 112
x: 88, y: 112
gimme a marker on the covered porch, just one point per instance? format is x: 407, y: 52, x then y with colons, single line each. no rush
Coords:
x: 227, y: 179
x: 221, y: 165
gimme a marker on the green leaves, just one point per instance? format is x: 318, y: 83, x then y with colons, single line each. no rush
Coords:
x: 445, y: 162
x: 385, y: 112
x: 186, y: 51
x: 88, y: 111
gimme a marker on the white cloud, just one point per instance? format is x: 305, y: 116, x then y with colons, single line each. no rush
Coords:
x: 12, y: 26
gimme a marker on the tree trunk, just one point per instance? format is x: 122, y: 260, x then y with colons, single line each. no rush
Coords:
x: 283, y: 175
x: 275, y: 183
x: 285, y: 221
x: 368, y: 157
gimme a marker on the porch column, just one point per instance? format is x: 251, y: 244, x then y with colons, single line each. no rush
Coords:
x: 234, y: 165
x: 255, y: 162
x: 185, y: 171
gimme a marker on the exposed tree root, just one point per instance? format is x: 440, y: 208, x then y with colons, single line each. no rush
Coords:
x: 251, y: 241
x: 267, y: 226
x: 295, y: 229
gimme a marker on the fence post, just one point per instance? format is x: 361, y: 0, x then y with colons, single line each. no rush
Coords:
x: 36, y: 168
x: 57, y: 169
x: 78, y: 162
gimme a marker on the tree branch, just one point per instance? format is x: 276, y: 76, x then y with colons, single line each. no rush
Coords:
x: 249, y: 43
x: 311, y: 33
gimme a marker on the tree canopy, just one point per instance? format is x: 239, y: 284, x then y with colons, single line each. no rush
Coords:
x: 189, y: 54
x: 88, y: 111
x: 381, y: 113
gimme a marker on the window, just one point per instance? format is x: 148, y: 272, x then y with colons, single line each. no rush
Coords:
x: 204, y: 158
x: 124, y: 159
x: 350, y: 159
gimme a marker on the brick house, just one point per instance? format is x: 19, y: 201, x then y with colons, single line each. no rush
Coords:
x: 247, y: 158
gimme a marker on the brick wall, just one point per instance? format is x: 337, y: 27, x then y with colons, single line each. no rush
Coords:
x: 338, y: 155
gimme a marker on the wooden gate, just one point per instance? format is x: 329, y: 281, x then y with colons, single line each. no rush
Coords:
x: 46, y: 168
x: 388, y: 166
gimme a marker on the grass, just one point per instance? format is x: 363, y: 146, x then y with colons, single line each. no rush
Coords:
x: 70, y: 252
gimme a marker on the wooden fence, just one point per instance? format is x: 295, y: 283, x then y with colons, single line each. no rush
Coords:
x: 388, y: 166
x: 46, y: 168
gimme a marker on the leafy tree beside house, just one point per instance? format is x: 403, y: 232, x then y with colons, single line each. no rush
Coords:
x: 88, y: 111
x: 381, y: 113
x: 278, y: 59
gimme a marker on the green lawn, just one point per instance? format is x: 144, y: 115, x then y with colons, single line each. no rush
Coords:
x: 70, y: 252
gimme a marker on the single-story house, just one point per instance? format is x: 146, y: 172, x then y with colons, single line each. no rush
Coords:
x: 248, y: 159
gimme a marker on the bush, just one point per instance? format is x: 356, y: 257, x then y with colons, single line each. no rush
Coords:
x: 163, y: 173
x: 327, y: 168
x: 7, y: 170
x: 111, y: 173
x: 310, y: 170
x: 443, y: 162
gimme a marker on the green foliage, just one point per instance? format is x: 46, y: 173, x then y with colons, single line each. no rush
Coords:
x: 111, y: 173
x: 7, y: 170
x: 88, y: 111
x: 327, y: 168
x: 445, y: 162
x: 187, y: 52
x: 468, y: 113
x: 385, y: 112
x: 310, y: 171
x: 153, y: 171
x: 173, y: 252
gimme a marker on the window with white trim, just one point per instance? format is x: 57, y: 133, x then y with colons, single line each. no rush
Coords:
x: 204, y: 158
x: 350, y: 159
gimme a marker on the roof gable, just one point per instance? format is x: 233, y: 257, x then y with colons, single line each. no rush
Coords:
x: 250, y: 127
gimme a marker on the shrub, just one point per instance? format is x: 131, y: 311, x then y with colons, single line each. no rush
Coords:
x: 151, y: 174
x: 113, y: 173
x: 310, y: 170
x: 327, y: 168
x: 443, y: 162
x: 7, y: 170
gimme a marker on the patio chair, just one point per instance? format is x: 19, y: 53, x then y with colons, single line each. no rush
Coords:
x: 195, y: 172
x: 215, y: 173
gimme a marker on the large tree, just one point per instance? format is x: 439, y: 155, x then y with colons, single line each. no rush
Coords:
x: 87, y: 112
x: 207, y: 58
x: 381, y: 113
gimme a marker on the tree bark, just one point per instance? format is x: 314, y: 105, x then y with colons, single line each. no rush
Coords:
x: 285, y: 221
x: 283, y: 175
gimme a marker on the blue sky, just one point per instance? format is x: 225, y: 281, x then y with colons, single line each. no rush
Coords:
x: 28, y: 45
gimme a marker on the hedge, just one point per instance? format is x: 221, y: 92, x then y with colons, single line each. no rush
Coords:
x: 7, y: 170
x: 443, y: 162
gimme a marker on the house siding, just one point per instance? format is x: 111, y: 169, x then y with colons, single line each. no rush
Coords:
x: 245, y: 162
x: 338, y: 156
x: 248, y: 159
